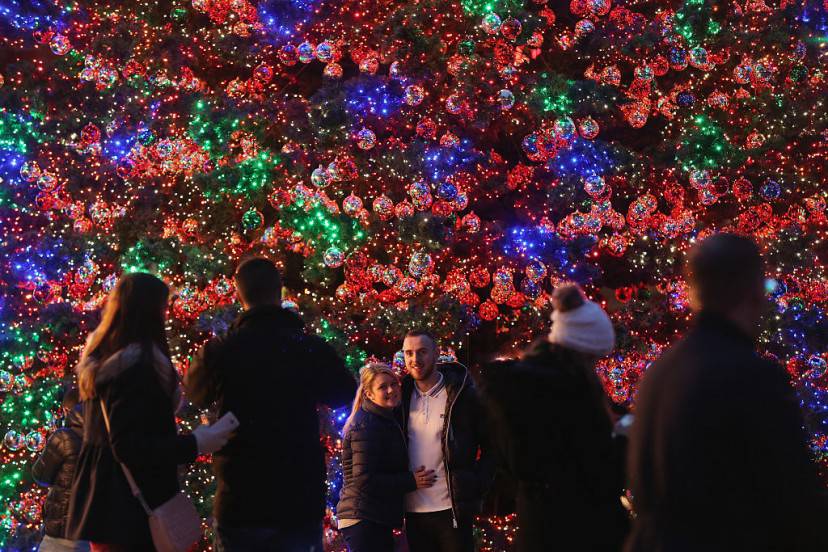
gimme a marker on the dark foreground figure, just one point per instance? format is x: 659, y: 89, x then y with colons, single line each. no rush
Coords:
x: 718, y: 457
x: 125, y: 376
x: 271, y: 375
x: 55, y: 468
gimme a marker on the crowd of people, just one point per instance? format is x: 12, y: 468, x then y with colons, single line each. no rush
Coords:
x: 716, y: 458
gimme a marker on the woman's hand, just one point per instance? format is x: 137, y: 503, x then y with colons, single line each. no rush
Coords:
x: 424, y: 478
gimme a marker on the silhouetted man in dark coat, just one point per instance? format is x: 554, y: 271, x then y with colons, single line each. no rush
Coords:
x: 718, y: 455
x: 271, y: 375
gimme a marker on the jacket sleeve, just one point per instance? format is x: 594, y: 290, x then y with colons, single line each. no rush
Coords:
x: 133, y: 442
x: 51, y: 459
x: 482, y: 474
x: 366, y: 470
x: 335, y: 385
x: 202, y: 383
x: 495, y: 395
x: 495, y: 381
x: 486, y: 465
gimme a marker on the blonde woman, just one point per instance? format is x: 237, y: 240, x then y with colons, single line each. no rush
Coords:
x: 375, y: 464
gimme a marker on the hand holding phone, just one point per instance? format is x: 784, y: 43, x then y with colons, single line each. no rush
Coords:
x: 211, y: 438
x: 226, y: 424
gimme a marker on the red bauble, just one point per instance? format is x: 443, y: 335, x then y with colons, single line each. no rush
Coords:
x: 90, y: 134
x: 488, y: 310
x: 442, y: 208
x: 742, y: 189
x: 624, y: 294
x: 404, y: 209
x: 479, y: 277
x: 516, y: 300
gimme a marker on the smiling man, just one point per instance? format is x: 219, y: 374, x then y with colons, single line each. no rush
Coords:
x: 446, y: 433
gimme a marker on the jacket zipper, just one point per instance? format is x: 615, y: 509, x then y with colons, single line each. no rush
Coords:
x: 402, y: 434
x: 445, y: 450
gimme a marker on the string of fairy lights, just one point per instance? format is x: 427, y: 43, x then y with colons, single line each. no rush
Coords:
x: 439, y: 164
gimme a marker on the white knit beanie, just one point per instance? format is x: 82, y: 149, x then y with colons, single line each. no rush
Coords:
x: 586, y: 328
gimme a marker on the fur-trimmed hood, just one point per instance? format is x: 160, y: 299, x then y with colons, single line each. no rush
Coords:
x: 129, y: 356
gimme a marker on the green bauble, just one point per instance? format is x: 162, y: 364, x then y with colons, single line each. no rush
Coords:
x: 252, y: 219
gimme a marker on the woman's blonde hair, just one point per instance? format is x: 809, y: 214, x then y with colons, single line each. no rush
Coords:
x: 367, y: 375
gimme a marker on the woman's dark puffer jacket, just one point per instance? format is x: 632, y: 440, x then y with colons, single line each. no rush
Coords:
x: 55, y: 468
x: 375, y: 465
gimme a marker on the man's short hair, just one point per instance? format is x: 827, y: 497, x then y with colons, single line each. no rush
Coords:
x: 420, y: 332
x: 258, y: 281
x: 71, y: 397
x: 724, y: 270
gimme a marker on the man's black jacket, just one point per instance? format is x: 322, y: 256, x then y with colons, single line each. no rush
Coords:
x: 466, y: 433
x: 718, y: 456
x: 271, y: 375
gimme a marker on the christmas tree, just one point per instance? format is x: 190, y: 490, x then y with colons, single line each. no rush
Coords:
x: 411, y: 163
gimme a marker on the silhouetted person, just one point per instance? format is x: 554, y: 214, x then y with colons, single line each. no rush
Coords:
x: 271, y: 375
x: 718, y: 458
x: 555, y: 434
x: 55, y: 468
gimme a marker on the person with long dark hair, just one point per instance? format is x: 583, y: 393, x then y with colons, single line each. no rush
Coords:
x: 554, y: 433
x: 125, y: 368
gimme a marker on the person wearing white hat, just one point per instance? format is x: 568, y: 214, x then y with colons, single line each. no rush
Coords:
x: 554, y: 431
x: 580, y: 324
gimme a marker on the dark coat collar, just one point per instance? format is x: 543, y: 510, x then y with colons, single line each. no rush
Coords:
x: 273, y: 314
x: 370, y: 406
x: 540, y: 351
x: 542, y: 354
x: 708, y: 321
x: 455, y: 375
x: 550, y: 365
x: 74, y: 419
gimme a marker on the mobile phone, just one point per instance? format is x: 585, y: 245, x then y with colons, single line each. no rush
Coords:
x: 228, y: 422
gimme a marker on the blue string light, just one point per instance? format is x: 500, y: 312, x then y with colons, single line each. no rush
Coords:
x: 281, y: 18
x: 371, y: 96
x: 583, y: 158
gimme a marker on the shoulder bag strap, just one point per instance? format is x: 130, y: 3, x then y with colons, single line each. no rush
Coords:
x: 136, y: 492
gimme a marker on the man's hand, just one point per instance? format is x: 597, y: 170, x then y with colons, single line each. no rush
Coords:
x: 211, y: 439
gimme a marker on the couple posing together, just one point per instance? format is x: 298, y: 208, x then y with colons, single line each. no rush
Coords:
x: 414, y: 449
